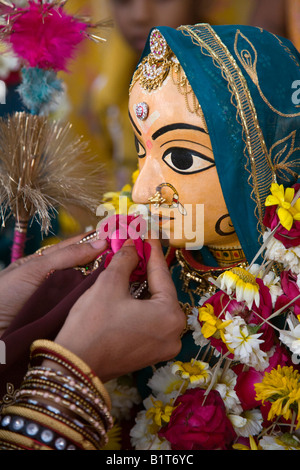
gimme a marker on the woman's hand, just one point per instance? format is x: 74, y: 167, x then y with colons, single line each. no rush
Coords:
x: 21, y: 279
x: 116, y: 334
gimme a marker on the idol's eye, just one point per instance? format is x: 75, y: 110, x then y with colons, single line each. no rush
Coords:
x: 139, y: 148
x: 187, y: 161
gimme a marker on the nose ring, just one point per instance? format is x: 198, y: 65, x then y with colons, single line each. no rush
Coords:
x: 158, y: 200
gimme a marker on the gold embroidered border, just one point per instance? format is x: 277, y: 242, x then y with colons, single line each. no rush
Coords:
x: 261, y: 173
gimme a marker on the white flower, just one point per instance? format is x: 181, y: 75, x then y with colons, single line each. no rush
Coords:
x: 245, y: 345
x: 248, y: 423
x: 141, y: 434
x: 123, y: 398
x: 164, y: 384
x: 225, y: 384
x: 276, y: 251
x: 270, y: 280
x: 291, y: 338
x: 195, y: 327
x: 280, y: 442
x: 242, y: 283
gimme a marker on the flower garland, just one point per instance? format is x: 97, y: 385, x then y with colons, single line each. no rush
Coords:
x: 242, y: 390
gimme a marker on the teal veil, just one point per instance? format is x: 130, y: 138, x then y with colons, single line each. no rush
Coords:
x: 246, y: 81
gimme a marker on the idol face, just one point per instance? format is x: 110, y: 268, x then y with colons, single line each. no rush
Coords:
x: 178, y: 176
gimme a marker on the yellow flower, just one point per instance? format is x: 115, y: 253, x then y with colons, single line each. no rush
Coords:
x: 283, y: 198
x: 212, y: 325
x: 120, y: 200
x: 243, y: 283
x: 68, y: 224
x: 160, y: 413
x: 196, y: 372
x: 114, y: 438
x: 281, y: 387
x: 253, y: 445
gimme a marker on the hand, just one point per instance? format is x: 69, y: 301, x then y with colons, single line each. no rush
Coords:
x: 116, y: 334
x: 21, y: 279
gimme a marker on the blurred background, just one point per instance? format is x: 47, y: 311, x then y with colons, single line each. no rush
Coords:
x: 98, y: 80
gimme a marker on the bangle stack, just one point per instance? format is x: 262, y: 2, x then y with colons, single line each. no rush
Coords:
x: 57, y: 410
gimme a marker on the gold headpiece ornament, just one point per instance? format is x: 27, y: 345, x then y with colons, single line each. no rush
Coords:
x: 157, y: 66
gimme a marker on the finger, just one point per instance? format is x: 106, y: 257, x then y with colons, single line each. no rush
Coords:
x: 159, y: 277
x: 49, y: 249
x: 116, y: 276
x: 66, y: 257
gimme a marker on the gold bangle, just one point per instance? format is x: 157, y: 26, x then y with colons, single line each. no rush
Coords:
x: 74, y: 360
x: 47, y: 421
x: 21, y: 441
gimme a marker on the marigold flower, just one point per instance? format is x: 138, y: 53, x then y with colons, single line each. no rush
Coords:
x: 197, y: 372
x: 281, y: 387
x: 243, y: 283
x: 283, y: 198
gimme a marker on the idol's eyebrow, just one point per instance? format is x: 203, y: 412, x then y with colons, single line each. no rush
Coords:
x: 173, y: 127
x: 134, y: 125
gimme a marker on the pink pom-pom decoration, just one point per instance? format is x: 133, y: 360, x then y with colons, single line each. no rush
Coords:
x: 44, y: 36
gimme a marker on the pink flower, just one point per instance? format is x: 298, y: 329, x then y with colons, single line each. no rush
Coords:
x: 116, y: 230
x: 196, y: 424
x: 245, y: 387
x: 45, y: 36
x: 290, y: 291
x: 288, y: 238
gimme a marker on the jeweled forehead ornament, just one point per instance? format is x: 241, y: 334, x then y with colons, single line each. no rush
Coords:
x: 142, y: 111
x: 154, y: 68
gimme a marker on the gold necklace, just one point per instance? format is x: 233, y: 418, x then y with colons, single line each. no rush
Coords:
x: 200, y: 276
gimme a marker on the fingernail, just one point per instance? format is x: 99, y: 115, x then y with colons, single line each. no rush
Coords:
x: 129, y: 242
x: 98, y: 244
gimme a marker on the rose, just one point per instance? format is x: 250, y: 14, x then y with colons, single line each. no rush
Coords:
x: 291, y: 290
x: 245, y: 387
x: 119, y: 228
x: 199, y: 423
x: 288, y: 238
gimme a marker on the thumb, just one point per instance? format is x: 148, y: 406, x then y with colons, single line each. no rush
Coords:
x: 117, y: 274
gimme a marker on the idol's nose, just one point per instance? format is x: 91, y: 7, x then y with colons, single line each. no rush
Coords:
x: 149, y: 179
